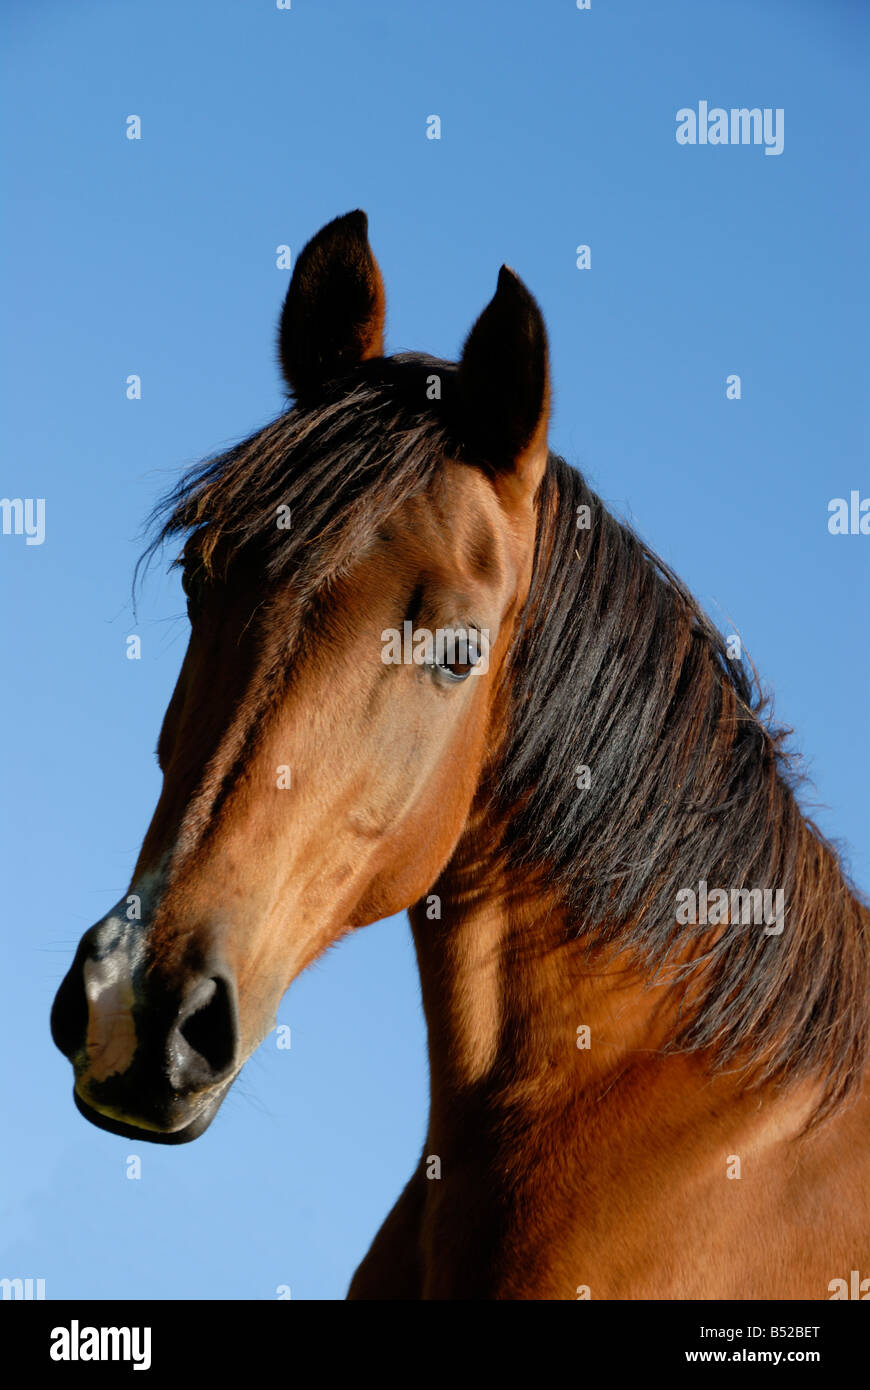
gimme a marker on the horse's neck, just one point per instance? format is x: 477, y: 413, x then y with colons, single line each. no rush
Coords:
x: 525, y: 1029
x: 523, y: 1021
x: 518, y: 1017
x: 568, y: 1134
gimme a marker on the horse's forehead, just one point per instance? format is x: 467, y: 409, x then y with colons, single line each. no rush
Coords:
x: 459, y: 512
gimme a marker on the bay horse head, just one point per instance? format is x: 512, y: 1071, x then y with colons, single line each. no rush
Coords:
x: 356, y: 574
x: 428, y: 670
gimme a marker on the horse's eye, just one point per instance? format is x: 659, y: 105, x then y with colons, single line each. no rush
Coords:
x: 456, y: 655
x: 192, y: 586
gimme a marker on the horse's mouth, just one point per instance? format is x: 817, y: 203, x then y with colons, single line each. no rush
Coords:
x: 197, y: 1126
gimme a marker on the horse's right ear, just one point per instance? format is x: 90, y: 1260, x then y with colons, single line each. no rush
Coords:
x: 333, y: 316
x: 503, y: 388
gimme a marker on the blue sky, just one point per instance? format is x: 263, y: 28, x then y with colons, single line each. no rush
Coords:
x: 157, y: 257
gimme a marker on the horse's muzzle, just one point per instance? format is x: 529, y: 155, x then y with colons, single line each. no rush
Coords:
x: 153, y: 1056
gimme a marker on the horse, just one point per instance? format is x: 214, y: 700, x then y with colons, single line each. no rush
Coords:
x: 628, y: 1099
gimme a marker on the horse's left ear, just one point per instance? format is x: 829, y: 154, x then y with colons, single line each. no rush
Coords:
x: 333, y: 316
x: 503, y: 387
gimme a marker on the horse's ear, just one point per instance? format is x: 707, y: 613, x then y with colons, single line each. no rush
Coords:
x: 503, y: 385
x: 333, y: 316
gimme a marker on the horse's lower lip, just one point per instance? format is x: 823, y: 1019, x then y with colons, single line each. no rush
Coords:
x: 197, y: 1126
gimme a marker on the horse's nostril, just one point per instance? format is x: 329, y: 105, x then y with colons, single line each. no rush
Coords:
x: 69, y: 1014
x: 209, y: 1032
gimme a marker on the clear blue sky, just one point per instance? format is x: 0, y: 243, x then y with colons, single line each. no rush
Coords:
x: 157, y: 257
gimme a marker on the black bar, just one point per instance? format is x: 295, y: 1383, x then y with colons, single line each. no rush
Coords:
x: 259, y: 1338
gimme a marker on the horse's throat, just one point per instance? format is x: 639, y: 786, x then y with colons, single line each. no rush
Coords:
x: 519, y: 1017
